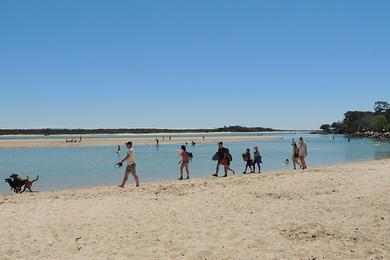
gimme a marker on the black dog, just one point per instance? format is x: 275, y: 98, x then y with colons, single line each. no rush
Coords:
x: 17, y: 183
x: 14, y: 185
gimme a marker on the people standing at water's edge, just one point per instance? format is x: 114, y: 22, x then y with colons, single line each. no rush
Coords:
x: 223, y: 159
x: 248, y: 160
x: 157, y: 142
x: 256, y: 159
x: 131, y: 166
x: 295, y: 155
x: 302, y: 152
x: 185, y: 161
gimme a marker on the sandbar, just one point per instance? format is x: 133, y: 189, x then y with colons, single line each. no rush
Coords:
x: 94, y: 142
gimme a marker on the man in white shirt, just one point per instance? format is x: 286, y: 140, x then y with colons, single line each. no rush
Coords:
x: 130, y: 159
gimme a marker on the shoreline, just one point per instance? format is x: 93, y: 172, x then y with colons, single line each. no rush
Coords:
x: 96, y: 142
x: 204, y: 178
x: 333, y: 212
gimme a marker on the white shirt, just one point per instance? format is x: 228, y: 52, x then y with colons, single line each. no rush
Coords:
x: 130, y: 156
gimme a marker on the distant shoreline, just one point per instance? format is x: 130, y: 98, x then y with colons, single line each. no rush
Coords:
x: 156, y: 134
x: 96, y: 142
x: 131, y: 131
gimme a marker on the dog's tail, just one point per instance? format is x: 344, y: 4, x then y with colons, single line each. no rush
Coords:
x: 35, y: 179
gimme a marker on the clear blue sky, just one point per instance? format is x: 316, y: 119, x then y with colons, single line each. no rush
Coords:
x: 191, y: 64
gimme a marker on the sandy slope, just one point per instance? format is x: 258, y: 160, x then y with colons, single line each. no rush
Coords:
x: 338, y: 212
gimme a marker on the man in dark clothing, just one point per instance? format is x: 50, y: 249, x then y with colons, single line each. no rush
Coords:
x: 223, y: 159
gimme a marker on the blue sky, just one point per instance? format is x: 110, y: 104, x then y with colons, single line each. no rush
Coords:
x: 191, y: 64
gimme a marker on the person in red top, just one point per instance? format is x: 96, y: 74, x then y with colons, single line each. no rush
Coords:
x: 185, y: 161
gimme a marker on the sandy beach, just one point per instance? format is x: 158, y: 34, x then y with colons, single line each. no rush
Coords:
x: 91, y: 142
x: 336, y: 212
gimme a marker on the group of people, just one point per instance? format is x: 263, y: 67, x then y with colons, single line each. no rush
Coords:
x: 73, y: 140
x: 251, y: 163
x: 299, y: 153
x: 222, y: 156
x: 158, y: 141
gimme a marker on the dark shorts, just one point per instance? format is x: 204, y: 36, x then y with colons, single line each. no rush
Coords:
x: 223, y: 162
x: 131, y: 168
x: 249, y: 163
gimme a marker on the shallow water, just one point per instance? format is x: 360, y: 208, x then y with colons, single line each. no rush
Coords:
x: 61, y: 168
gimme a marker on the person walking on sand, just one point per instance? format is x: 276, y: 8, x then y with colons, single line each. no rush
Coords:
x: 131, y: 166
x: 256, y: 159
x: 247, y: 158
x: 185, y: 161
x: 223, y: 159
x: 302, y: 152
x: 295, y: 155
x: 229, y: 159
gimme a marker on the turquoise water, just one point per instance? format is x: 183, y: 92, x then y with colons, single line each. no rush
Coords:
x: 62, y: 168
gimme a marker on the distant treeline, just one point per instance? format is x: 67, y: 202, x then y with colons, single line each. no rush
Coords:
x: 54, y: 131
x: 362, y: 121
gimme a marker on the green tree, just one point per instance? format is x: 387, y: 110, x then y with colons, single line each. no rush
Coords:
x: 381, y: 106
x: 378, y: 123
x: 387, y: 115
x: 364, y: 122
x: 325, y: 128
x: 354, y: 119
x: 387, y: 127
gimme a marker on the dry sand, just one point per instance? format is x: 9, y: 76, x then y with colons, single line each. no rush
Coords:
x: 87, y: 142
x: 337, y: 212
